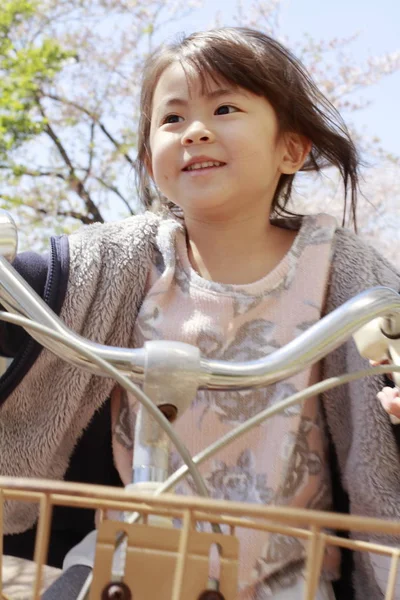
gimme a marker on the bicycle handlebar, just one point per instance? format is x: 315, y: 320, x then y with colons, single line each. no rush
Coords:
x: 309, y: 347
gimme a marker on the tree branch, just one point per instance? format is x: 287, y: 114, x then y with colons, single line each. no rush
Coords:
x: 116, y: 191
x: 85, y: 219
x: 109, y: 186
x: 25, y: 171
x: 96, y: 119
x: 91, y: 151
x: 74, y: 182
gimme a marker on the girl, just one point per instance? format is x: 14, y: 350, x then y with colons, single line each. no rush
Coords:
x: 228, y: 117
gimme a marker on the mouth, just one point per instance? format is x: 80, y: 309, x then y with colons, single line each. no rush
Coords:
x: 202, y: 166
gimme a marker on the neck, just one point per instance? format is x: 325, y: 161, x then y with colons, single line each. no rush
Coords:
x: 236, y: 251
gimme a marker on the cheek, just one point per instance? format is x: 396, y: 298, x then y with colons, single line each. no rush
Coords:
x: 163, y: 159
x: 248, y: 145
x: 161, y: 169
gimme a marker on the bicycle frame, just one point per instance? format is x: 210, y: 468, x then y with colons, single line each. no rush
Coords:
x: 186, y: 571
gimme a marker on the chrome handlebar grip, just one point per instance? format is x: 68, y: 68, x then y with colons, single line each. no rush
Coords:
x: 8, y: 236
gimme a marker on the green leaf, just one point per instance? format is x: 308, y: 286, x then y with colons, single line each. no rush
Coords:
x: 25, y: 68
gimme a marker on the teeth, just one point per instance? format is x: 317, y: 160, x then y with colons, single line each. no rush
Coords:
x: 203, y: 165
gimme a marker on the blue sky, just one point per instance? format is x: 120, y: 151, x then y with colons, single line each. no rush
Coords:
x: 378, y: 24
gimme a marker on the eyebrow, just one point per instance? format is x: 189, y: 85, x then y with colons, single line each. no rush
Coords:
x: 209, y: 95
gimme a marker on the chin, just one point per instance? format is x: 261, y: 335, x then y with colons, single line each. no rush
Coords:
x: 205, y: 201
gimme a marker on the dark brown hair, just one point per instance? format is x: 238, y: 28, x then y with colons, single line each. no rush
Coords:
x: 254, y: 61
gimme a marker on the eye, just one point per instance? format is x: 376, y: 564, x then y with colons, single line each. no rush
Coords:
x: 171, y: 119
x: 226, y: 109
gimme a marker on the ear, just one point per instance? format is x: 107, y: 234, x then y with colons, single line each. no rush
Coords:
x: 296, y: 149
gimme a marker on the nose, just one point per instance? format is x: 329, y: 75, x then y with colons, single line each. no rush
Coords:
x: 197, y: 133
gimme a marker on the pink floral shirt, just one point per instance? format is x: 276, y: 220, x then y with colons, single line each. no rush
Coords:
x: 283, y: 461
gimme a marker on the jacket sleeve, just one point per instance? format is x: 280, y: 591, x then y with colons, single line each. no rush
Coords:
x: 33, y: 268
x: 364, y: 444
x: 48, y: 276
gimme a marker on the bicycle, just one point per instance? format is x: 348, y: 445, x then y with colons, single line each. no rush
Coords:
x: 181, y: 557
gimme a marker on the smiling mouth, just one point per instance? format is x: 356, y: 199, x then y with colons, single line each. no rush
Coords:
x: 203, y: 166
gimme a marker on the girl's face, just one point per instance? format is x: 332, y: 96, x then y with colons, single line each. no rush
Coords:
x: 215, y: 154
